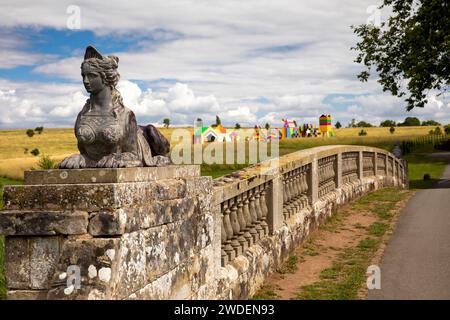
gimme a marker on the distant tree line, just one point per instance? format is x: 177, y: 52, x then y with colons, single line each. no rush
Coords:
x: 408, y: 122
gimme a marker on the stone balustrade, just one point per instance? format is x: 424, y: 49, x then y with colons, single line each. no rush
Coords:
x: 302, y: 179
x: 168, y: 233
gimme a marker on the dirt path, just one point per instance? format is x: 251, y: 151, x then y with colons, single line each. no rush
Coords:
x: 345, y: 230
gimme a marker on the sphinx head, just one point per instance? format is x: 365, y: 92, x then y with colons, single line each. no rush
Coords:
x: 99, y: 71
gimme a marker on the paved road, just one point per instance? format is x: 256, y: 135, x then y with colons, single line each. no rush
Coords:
x: 416, y: 263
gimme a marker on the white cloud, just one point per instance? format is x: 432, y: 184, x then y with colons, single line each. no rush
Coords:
x: 218, y: 55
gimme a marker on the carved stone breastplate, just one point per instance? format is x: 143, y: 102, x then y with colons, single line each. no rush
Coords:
x: 99, y: 133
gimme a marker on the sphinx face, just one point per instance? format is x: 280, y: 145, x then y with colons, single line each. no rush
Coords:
x: 92, y: 81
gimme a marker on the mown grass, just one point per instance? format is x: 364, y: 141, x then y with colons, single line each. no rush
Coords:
x: 421, y: 164
x: 344, y: 279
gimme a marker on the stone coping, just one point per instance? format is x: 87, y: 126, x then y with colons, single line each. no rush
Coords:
x: 240, y: 181
x: 109, y: 175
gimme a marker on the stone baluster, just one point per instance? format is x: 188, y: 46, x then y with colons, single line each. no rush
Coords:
x: 285, y: 198
x: 223, y: 255
x: 301, y: 188
x: 290, y: 194
x: 298, y: 192
x: 248, y: 220
x: 291, y: 206
x: 229, y: 232
x: 253, y: 216
x: 264, y: 209
x: 236, y: 228
x: 320, y: 176
x: 242, y: 224
x: 306, y: 172
x: 258, y: 210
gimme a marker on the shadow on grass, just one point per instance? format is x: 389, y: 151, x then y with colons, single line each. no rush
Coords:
x: 430, y: 184
x: 432, y: 165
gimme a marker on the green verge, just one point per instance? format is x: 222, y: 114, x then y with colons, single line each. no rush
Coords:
x: 421, y: 164
x: 344, y: 279
x: 4, y: 181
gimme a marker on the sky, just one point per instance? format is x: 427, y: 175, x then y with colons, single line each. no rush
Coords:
x: 250, y: 62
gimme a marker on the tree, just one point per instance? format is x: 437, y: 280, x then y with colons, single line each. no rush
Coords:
x: 388, y: 123
x: 392, y: 130
x: 438, y: 131
x: 363, y: 124
x: 410, y: 122
x: 409, y: 51
x: 39, y: 129
x: 237, y: 126
x: 166, y: 122
x: 352, y: 124
x: 30, y: 132
x: 338, y: 125
x: 430, y: 123
x: 362, y: 133
x: 447, y: 129
x: 35, y: 152
x: 218, y: 122
x: 267, y: 126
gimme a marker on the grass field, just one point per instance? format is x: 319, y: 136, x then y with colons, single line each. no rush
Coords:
x: 15, y: 146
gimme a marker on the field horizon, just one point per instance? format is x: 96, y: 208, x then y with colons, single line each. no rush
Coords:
x: 58, y: 143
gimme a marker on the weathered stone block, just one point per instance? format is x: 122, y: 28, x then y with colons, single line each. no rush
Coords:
x: 91, y: 197
x: 198, y: 185
x: 110, y: 222
x: 130, y: 219
x: 30, y: 262
x: 59, y: 197
x: 131, y: 264
x: 43, y: 222
x: 17, y: 263
x: 163, y: 212
x: 170, y: 189
x: 96, y: 261
x: 183, y: 281
x: 168, y: 245
x: 109, y: 175
x: 43, y: 260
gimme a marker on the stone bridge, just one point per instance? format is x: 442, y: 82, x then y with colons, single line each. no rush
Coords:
x: 168, y: 233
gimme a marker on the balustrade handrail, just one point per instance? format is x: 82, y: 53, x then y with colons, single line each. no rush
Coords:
x: 251, y: 176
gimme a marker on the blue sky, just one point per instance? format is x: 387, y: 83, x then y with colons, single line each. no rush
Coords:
x: 249, y: 62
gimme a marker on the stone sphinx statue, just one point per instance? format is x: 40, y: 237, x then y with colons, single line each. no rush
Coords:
x: 107, y: 132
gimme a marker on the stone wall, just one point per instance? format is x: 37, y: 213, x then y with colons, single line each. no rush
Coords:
x: 168, y: 233
x: 135, y: 233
